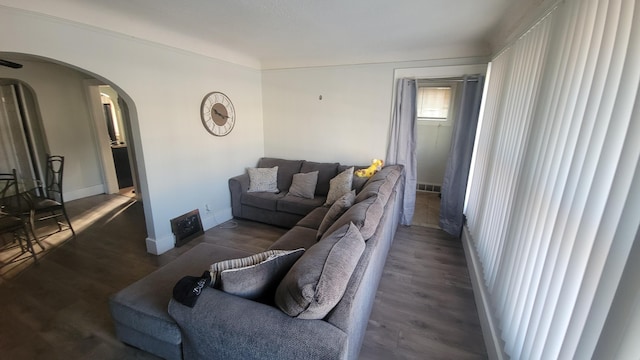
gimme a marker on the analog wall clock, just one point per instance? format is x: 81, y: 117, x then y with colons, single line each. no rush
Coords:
x: 217, y: 113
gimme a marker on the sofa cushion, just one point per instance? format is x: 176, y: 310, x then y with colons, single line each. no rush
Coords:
x: 381, y: 184
x: 357, y: 182
x: 142, y: 306
x: 304, y: 185
x: 297, y: 237
x: 286, y: 169
x: 378, y: 188
x: 335, y: 211
x: 317, y: 281
x: 389, y: 172
x: 263, y: 200
x: 370, y: 189
x: 259, y: 281
x: 326, y: 172
x: 314, y: 218
x: 339, y: 185
x: 263, y: 179
x: 298, y: 205
x: 365, y: 215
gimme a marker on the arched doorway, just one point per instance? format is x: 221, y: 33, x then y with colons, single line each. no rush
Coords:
x: 60, y: 109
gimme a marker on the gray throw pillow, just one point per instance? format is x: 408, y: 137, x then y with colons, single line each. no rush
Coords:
x: 365, y: 215
x: 259, y: 279
x: 339, y: 185
x: 304, y: 185
x: 263, y: 179
x: 357, y: 182
x: 318, y: 280
x: 335, y: 211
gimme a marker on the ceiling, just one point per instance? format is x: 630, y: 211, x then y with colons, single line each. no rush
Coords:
x: 270, y: 34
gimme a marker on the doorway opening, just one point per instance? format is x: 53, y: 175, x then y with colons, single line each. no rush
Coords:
x: 115, y: 121
x: 50, y: 107
x: 437, y: 104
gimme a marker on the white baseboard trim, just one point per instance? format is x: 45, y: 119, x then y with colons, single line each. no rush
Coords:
x: 490, y: 332
x: 83, y: 193
x: 209, y: 219
x: 160, y: 245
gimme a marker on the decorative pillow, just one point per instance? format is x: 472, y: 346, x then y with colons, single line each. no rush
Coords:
x: 217, y: 268
x: 263, y: 179
x: 357, y: 182
x: 365, y: 215
x: 304, y: 184
x: 326, y: 172
x: 317, y: 281
x: 254, y: 277
x: 335, y: 211
x: 339, y: 185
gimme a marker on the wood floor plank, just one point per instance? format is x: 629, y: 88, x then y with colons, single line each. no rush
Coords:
x: 424, y: 301
x: 424, y: 307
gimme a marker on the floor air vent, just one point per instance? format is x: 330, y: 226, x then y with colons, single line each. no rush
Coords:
x: 428, y: 187
x: 187, y: 227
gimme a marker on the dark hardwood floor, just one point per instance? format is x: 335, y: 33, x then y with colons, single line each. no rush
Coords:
x: 424, y: 307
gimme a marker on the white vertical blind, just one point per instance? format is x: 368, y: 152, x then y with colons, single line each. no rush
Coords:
x: 555, y: 164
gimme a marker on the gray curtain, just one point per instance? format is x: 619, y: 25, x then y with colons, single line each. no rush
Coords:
x: 402, y: 143
x: 456, y: 173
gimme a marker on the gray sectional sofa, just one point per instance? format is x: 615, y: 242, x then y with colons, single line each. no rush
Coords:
x: 226, y: 326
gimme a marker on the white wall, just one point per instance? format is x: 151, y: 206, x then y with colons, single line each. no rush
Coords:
x: 182, y: 167
x: 432, y: 150
x: 350, y: 124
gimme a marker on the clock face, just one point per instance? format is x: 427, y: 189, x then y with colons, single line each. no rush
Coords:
x: 217, y: 113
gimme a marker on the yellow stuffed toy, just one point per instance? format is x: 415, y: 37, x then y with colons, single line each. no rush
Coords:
x: 376, y: 164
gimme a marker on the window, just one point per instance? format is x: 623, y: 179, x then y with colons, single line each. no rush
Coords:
x: 434, y: 103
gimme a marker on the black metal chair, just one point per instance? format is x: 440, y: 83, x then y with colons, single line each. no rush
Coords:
x: 12, y: 204
x: 49, y: 203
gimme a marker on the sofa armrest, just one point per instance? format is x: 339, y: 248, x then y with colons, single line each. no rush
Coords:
x: 224, y: 326
x: 237, y: 186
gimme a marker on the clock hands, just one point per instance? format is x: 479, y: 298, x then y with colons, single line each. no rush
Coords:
x: 220, y: 114
x: 217, y: 113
